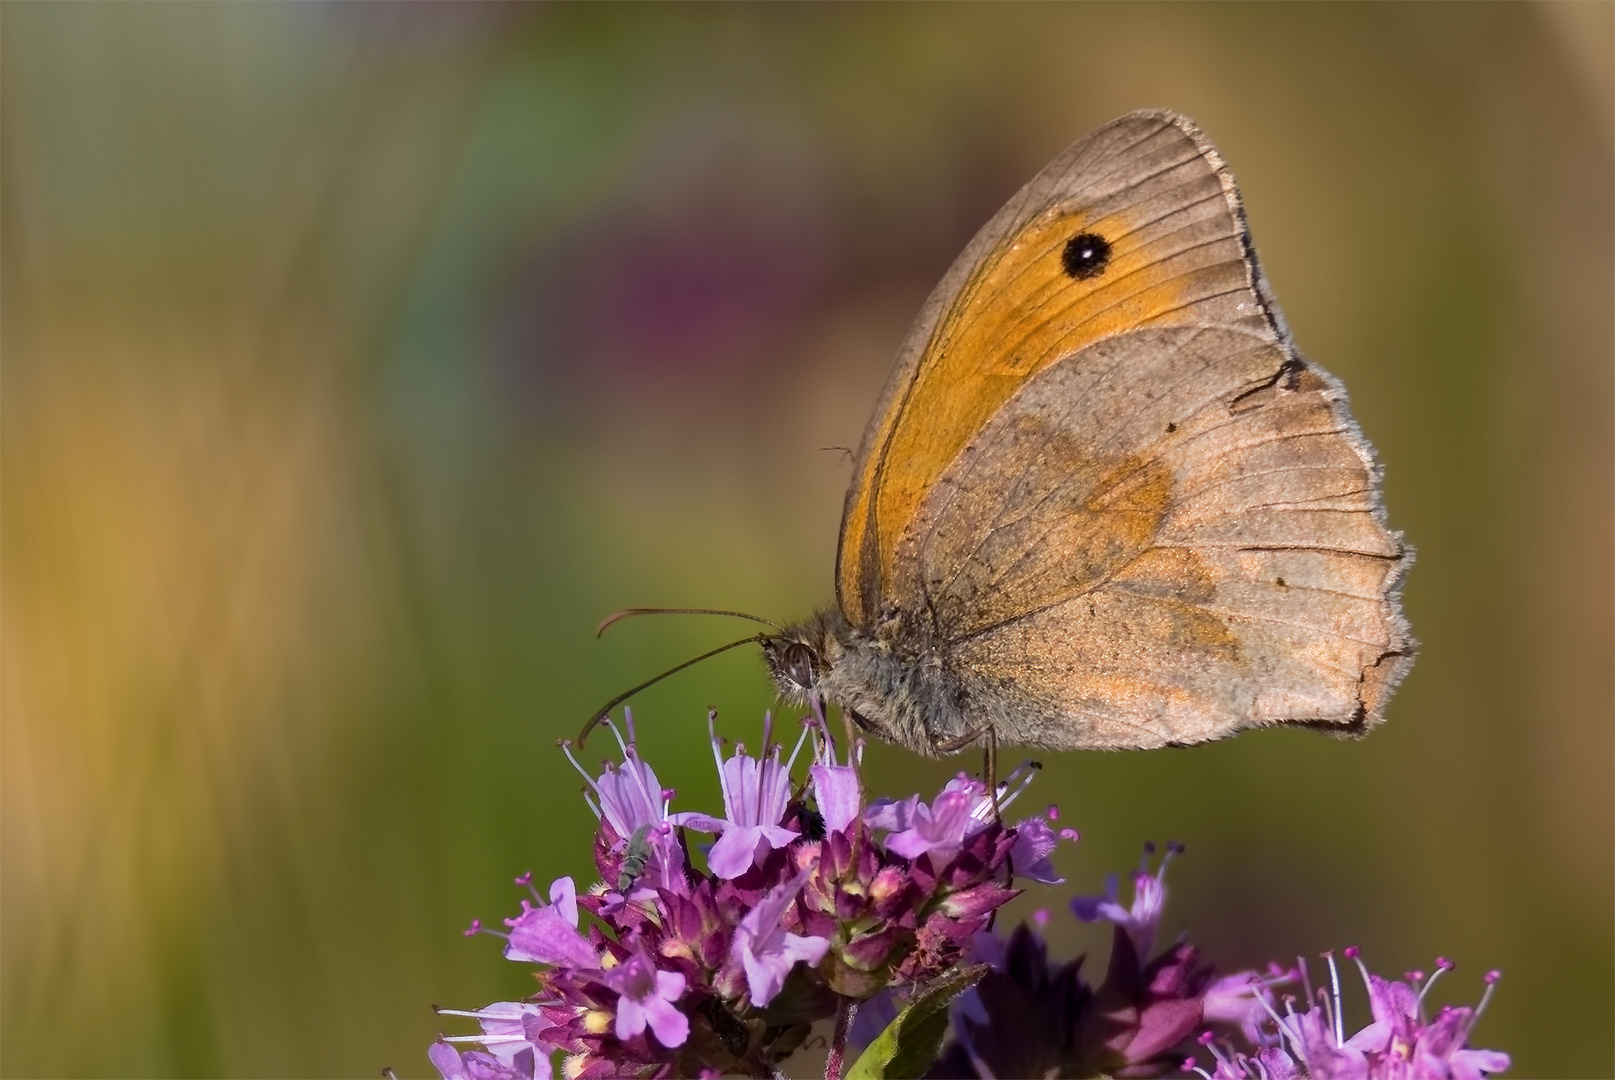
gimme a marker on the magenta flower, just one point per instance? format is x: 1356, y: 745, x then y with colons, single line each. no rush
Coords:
x: 1269, y: 1063
x: 549, y: 934
x: 836, y: 787
x: 633, y: 803
x: 679, y: 971
x: 916, y: 829
x: 1035, y: 841
x: 648, y: 997
x: 454, y: 1064
x: 810, y: 909
x: 764, y: 948
x: 630, y: 795
x: 755, y: 791
x: 1142, y: 919
x: 514, y: 1050
x: 1399, y: 1043
x: 962, y: 809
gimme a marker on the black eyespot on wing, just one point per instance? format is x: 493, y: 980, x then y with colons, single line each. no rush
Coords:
x: 1086, y: 255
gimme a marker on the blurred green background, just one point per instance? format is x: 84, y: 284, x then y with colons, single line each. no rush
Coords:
x: 358, y: 358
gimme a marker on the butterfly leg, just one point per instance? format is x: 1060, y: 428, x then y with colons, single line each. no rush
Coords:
x: 989, y: 769
x: 989, y: 776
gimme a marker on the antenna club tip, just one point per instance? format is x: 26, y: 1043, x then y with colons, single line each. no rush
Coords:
x: 605, y: 624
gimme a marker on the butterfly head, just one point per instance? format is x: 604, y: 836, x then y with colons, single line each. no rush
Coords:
x: 800, y: 656
x: 889, y: 697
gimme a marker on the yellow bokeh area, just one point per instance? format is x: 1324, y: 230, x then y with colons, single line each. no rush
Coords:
x: 355, y: 359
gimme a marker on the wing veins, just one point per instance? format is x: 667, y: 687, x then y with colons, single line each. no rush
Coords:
x: 1041, y: 537
x: 999, y: 519
x: 1250, y: 617
x: 1245, y: 545
x: 1207, y: 489
x: 1041, y: 313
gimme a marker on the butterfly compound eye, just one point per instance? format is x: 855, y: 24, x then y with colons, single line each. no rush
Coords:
x: 799, y: 664
x: 1086, y: 255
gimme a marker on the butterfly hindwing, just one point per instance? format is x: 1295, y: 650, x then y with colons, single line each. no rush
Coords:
x: 1170, y: 536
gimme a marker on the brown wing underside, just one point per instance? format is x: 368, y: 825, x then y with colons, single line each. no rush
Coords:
x: 1152, y: 187
x: 1170, y: 536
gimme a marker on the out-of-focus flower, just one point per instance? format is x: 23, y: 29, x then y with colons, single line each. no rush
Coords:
x: 513, y: 1050
x: 1143, y: 917
x: 1028, y: 1017
x: 1401, y: 1042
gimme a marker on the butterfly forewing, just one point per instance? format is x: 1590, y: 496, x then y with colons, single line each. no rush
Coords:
x: 1175, y: 254
x: 1102, y: 502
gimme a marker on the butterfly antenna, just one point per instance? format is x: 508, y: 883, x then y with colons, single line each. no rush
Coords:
x: 603, y: 711
x: 617, y: 616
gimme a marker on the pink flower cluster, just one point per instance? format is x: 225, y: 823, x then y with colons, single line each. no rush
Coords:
x: 1401, y: 1042
x: 806, y: 906
x: 817, y: 903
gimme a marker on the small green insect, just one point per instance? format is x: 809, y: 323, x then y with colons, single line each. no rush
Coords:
x: 634, y: 858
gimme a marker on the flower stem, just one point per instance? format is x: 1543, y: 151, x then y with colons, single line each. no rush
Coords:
x: 834, y: 1064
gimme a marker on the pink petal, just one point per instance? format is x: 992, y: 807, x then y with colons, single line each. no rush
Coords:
x: 764, y: 977
x: 671, y: 1026
x: 835, y: 788
x: 564, y: 895
x: 694, y: 819
x: 630, y: 1017
x: 735, y: 852
x: 542, y: 935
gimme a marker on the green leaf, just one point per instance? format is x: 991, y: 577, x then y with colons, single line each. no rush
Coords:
x: 910, y: 1043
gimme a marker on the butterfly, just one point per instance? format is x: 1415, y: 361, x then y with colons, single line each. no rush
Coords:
x: 1103, y: 503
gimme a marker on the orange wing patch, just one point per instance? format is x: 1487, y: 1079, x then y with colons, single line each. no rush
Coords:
x: 1177, y: 258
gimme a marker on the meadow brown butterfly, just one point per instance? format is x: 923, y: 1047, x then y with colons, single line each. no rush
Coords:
x: 1103, y: 503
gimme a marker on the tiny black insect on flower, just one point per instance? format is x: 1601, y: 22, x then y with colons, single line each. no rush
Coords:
x: 810, y: 822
